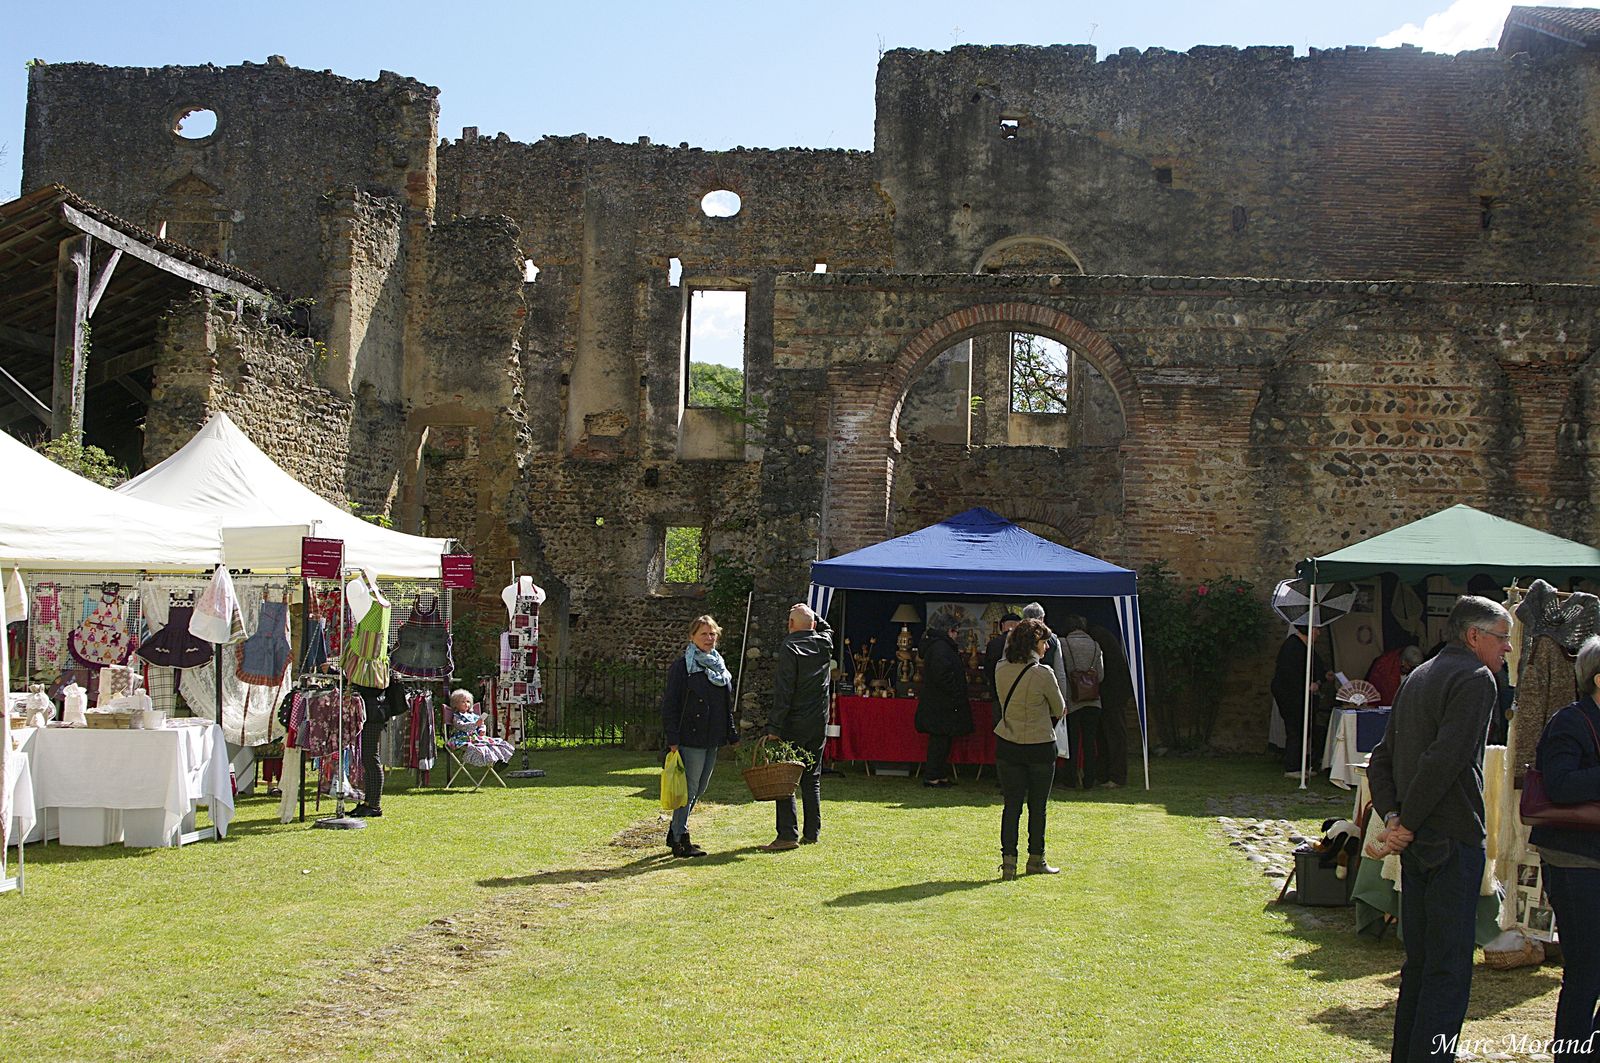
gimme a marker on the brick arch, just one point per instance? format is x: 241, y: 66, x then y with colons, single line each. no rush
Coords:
x: 861, y: 476
x: 1002, y: 317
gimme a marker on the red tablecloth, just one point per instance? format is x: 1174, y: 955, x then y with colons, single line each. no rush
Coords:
x: 882, y: 729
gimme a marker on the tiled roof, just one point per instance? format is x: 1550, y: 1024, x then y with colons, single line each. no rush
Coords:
x: 1576, y: 25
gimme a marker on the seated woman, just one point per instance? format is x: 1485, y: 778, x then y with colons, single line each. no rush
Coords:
x: 466, y: 734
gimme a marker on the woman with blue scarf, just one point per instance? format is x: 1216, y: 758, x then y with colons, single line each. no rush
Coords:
x: 697, y: 718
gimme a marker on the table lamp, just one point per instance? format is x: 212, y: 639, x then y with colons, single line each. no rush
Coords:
x: 905, y: 616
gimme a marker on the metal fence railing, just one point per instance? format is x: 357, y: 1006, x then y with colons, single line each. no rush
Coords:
x: 595, y: 701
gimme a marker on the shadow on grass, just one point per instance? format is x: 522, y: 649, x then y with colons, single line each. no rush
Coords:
x: 911, y: 891
x: 642, y: 866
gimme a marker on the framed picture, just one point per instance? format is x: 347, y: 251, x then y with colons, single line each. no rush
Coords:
x: 1439, y: 605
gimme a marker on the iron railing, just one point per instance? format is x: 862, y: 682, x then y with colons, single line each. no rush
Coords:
x: 593, y: 701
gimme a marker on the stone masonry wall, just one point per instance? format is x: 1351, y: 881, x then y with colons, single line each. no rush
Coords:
x: 1348, y: 163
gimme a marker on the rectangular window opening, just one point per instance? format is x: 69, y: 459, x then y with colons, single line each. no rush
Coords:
x: 1009, y: 127
x: 1163, y: 175
x: 820, y: 267
x: 683, y: 555
x: 714, y: 349
x: 1041, y: 374
x: 674, y: 272
x: 530, y: 272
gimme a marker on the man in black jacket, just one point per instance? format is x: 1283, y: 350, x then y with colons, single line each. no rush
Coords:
x: 1427, y: 784
x: 800, y: 715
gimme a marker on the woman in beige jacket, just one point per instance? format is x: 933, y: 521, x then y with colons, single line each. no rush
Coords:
x: 1025, y: 745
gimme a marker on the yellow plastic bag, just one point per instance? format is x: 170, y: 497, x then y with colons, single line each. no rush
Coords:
x: 674, y: 783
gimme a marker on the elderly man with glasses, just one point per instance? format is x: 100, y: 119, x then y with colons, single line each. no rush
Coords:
x: 1427, y: 784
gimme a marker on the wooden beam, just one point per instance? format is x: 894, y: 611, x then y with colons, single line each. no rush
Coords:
x: 72, y: 305
x: 13, y: 412
x: 115, y: 367
x: 30, y: 402
x: 145, y: 253
x: 132, y: 387
x: 102, y: 281
x: 28, y: 341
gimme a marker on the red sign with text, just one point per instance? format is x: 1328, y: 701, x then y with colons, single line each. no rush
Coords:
x: 458, y: 574
x: 321, y: 558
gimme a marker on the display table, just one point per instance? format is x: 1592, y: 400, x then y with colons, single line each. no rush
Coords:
x: 19, y: 796
x: 1351, y: 732
x: 140, y: 787
x: 883, y: 729
x: 30, y: 821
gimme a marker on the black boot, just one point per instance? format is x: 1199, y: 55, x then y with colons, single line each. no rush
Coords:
x: 676, y: 845
x: 689, y: 847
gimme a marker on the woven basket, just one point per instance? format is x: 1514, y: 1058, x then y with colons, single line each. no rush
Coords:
x: 108, y: 721
x: 1531, y: 954
x: 773, y: 782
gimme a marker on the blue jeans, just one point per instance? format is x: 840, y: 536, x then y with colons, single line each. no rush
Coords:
x: 1575, y: 897
x: 1438, y: 911
x: 697, y: 765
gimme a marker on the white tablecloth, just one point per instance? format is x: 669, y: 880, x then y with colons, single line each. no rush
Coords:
x: 171, y: 769
x: 28, y: 819
x: 19, y: 780
x: 1340, y: 754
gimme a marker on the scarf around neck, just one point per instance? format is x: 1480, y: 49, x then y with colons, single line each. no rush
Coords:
x: 709, y: 663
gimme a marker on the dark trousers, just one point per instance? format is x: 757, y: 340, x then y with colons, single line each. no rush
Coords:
x: 1019, y: 783
x: 1575, y: 896
x: 1088, y: 758
x: 1114, y: 744
x: 1438, y: 910
x: 371, y: 735
x: 938, y: 764
x: 810, y: 799
x: 1294, y: 730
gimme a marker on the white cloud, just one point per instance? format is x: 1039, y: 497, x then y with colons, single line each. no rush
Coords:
x: 1464, y: 25
x: 716, y: 327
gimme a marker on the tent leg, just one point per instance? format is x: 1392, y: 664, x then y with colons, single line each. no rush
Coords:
x: 1311, y: 653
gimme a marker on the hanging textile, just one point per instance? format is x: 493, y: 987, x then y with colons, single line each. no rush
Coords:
x: 316, y: 645
x: 365, y: 661
x: 1553, y: 627
x: 103, y: 638
x: 44, y: 632
x: 320, y: 735
x: 218, y: 616
x: 519, y: 671
x: 423, y: 648
x: 173, y: 646
x: 328, y: 609
x: 263, y: 658
x: 424, y: 743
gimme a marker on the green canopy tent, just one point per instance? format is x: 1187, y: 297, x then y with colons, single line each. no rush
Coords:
x: 1459, y: 542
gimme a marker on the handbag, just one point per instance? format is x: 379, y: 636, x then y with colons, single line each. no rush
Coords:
x: 1537, y: 810
x: 1085, y: 684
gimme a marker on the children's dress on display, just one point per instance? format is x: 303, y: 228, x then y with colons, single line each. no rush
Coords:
x: 173, y: 646
x: 103, y: 637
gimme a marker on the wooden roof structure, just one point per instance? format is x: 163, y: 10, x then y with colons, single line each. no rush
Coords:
x: 67, y: 265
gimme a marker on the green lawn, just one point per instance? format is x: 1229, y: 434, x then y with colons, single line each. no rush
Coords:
x: 547, y: 921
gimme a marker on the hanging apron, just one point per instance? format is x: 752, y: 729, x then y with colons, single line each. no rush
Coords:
x: 423, y: 648
x: 103, y: 636
x: 365, y: 660
x: 264, y: 656
x: 173, y: 646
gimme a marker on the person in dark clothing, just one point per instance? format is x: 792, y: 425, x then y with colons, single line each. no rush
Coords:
x: 943, y: 711
x: 1288, y: 690
x: 1116, y: 700
x: 1569, y: 760
x: 381, y: 705
x: 697, y: 720
x: 1427, y: 784
x: 995, y: 652
x: 800, y: 715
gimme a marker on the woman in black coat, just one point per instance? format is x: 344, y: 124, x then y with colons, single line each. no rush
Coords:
x: 943, y: 711
x: 697, y: 719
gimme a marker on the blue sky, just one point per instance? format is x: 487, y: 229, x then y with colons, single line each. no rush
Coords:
x: 715, y: 75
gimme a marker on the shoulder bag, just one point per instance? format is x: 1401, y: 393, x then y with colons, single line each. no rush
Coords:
x: 1537, y: 810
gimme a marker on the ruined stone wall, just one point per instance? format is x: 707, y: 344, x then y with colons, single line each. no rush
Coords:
x: 284, y: 137
x: 1348, y: 163
x: 211, y: 359
x: 1267, y: 421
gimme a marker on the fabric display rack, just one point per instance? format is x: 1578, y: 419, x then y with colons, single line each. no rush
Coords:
x: 417, y: 624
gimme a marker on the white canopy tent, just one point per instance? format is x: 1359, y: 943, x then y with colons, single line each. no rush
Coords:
x: 265, y: 512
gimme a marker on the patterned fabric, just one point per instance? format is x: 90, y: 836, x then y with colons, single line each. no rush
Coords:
x: 325, y: 606
x: 44, y: 632
x: 1546, y: 686
x: 365, y: 660
x: 316, y: 644
x: 423, y: 647
x: 103, y: 637
x: 320, y: 735
x: 519, y: 676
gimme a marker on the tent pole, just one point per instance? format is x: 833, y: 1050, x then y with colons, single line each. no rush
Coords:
x: 738, y: 677
x: 1305, y: 720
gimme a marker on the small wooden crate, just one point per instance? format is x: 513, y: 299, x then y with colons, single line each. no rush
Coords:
x: 109, y: 721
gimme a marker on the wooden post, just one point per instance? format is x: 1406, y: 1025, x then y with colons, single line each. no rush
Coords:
x: 72, y: 318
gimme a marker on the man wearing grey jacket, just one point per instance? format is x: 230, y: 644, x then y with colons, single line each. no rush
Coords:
x: 800, y: 715
x: 1427, y: 784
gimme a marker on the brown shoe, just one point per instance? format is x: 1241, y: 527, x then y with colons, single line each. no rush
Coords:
x: 780, y: 845
x: 1037, y: 866
x: 1008, y: 868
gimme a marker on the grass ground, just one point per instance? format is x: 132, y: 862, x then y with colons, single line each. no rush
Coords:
x: 547, y: 922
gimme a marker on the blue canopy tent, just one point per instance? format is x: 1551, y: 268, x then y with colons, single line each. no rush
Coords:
x: 980, y: 552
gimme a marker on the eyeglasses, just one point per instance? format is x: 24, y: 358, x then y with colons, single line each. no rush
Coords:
x: 1503, y: 636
